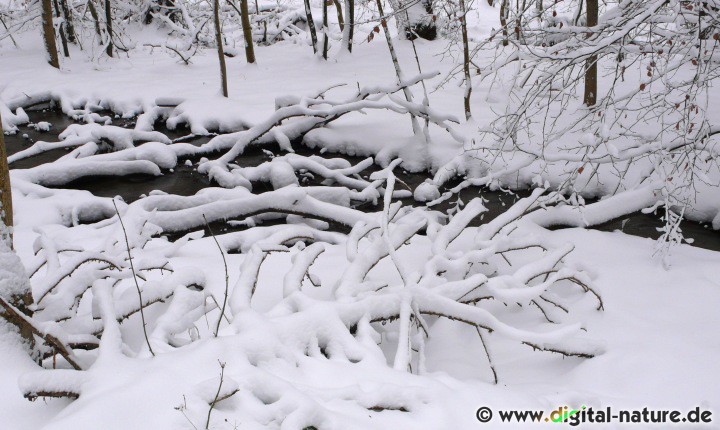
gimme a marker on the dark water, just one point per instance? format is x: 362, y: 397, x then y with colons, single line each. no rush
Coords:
x: 643, y: 225
x: 185, y: 180
x: 28, y: 135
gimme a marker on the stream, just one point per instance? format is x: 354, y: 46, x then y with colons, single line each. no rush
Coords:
x: 185, y: 180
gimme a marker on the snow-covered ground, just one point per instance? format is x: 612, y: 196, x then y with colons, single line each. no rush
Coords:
x: 660, y: 351
x: 330, y: 349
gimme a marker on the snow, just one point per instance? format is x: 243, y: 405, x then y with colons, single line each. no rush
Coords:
x: 636, y: 340
x: 329, y: 303
x: 426, y: 192
x: 25, y: 415
x: 41, y: 126
x: 13, y: 280
x: 196, y: 115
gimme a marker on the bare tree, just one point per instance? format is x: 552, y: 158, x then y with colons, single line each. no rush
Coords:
x: 247, y: 31
x: 18, y: 301
x: 96, y: 19
x: 311, y: 25
x: 219, y: 42
x: 657, y: 118
x: 503, y: 21
x: 466, y: 58
x: 108, y: 26
x: 341, y: 19
x: 63, y: 39
x: 68, y: 23
x: 590, y: 95
x: 396, y: 64
x: 6, y: 212
x: 325, y: 29
x: 349, y: 25
x: 49, y: 34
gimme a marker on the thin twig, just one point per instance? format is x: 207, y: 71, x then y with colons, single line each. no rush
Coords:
x: 137, y: 286
x: 227, y: 277
x: 217, y: 395
x: 487, y: 352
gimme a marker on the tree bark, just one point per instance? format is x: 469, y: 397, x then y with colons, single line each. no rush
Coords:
x: 108, y: 26
x: 6, y: 213
x: 63, y: 39
x: 349, y: 29
x: 219, y: 42
x: 12, y: 310
x: 69, y: 25
x: 20, y: 299
x: 311, y: 25
x: 247, y: 31
x: 341, y: 19
x: 49, y: 34
x: 325, y: 29
x: 466, y: 59
x: 503, y: 21
x: 590, y: 96
x: 518, y: 18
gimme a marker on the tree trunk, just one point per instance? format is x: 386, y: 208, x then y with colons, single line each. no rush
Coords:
x: 21, y: 298
x: 63, y: 39
x: 466, y: 59
x: 311, y: 25
x: 341, y: 19
x: 349, y: 25
x: 503, y: 21
x: 69, y: 26
x: 49, y: 34
x: 96, y: 19
x: 398, y: 71
x: 325, y: 29
x: 108, y: 26
x: 6, y: 213
x: 247, y: 31
x: 518, y: 19
x: 590, y: 97
x: 219, y: 42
